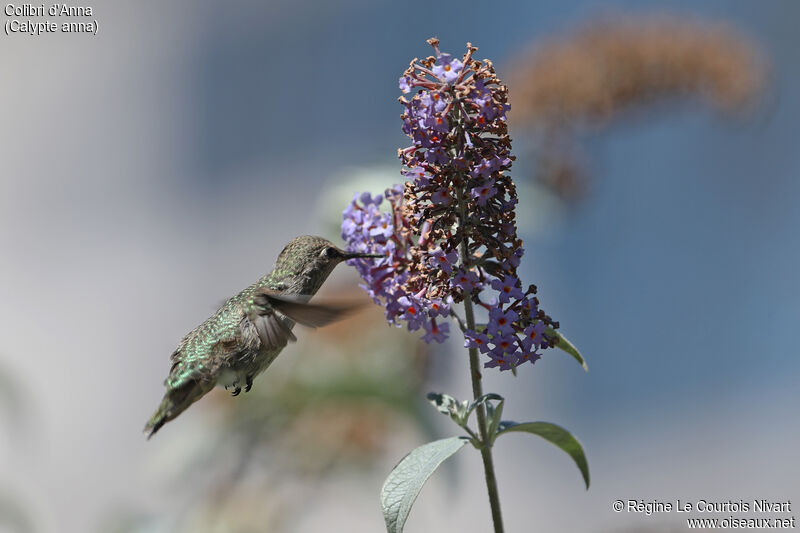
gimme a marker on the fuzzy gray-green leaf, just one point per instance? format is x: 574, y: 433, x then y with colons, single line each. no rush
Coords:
x: 565, y: 345
x: 483, y: 399
x: 401, y: 488
x: 444, y: 403
x: 558, y: 436
x: 494, y: 419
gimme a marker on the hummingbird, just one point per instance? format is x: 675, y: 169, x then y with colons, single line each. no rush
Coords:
x: 249, y: 330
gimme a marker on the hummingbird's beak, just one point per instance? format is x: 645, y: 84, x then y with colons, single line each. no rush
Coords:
x: 356, y: 255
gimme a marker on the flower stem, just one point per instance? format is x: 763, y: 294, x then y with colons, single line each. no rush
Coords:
x: 477, y: 392
x: 474, y: 362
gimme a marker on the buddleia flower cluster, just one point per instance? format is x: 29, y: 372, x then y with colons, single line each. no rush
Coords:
x: 450, y: 233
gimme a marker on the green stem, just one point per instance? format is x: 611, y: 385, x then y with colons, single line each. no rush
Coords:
x: 477, y: 392
x: 474, y: 362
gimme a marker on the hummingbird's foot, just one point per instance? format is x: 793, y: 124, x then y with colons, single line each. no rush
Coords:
x: 236, y: 391
x: 248, y: 381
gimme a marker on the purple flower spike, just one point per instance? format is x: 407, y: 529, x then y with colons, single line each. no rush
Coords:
x: 529, y: 356
x: 438, y: 308
x: 436, y: 332
x: 442, y: 260
x: 447, y: 69
x: 534, y: 336
x: 476, y: 340
x: 382, y: 230
x: 458, y: 195
x: 503, y: 362
x: 503, y: 344
x: 508, y: 288
x: 434, y: 101
x: 417, y: 175
x: 501, y: 322
x: 482, y: 193
x: 441, y: 197
x: 465, y: 280
x: 436, y: 155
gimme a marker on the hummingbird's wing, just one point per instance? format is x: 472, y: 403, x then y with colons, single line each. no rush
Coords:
x: 298, y: 309
x: 273, y: 332
x: 268, y: 306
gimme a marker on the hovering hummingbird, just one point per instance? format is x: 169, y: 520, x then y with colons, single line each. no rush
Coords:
x: 248, y: 332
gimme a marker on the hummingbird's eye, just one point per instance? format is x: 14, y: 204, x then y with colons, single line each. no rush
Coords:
x: 330, y: 252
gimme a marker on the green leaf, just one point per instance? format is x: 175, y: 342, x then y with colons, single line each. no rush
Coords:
x: 401, y: 488
x: 558, y: 436
x: 566, y: 346
x: 448, y: 405
x: 495, y: 414
x: 444, y: 403
x: 483, y: 399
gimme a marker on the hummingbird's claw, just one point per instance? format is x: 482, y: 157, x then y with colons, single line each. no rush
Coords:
x: 236, y: 391
x: 248, y: 383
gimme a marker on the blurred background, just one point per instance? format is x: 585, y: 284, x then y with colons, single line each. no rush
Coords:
x: 155, y: 169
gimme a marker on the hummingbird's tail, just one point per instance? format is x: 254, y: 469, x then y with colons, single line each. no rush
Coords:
x: 174, y: 403
x: 159, y: 418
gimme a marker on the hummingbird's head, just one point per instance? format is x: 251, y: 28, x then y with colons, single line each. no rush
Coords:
x: 306, y: 262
